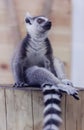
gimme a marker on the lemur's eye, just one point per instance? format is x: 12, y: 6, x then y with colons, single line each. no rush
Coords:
x: 40, y: 20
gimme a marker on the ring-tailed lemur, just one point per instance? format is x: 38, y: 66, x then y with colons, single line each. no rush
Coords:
x: 33, y: 64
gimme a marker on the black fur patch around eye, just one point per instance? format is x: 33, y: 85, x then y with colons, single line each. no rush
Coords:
x: 40, y: 20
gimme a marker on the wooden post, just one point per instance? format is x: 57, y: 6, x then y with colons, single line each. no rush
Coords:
x: 22, y: 109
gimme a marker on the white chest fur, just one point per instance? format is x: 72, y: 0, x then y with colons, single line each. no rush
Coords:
x: 36, y: 51
x: 36, y: 48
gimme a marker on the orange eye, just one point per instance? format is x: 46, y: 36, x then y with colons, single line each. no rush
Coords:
x: 40, y: 20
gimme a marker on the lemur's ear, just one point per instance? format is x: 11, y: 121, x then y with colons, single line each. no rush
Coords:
x: 28, y: 18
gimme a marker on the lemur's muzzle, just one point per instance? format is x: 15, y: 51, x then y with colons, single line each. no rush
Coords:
x: 47, y: 25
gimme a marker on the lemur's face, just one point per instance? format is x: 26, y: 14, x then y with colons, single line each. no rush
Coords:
x: 37, y: 25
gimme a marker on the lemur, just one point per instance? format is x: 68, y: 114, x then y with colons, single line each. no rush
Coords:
x: 33, y: 64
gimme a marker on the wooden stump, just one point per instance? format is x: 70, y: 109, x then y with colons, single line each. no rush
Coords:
x: 22, y: 109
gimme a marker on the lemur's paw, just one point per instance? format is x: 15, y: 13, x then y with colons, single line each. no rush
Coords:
x: 73, y: 92
x: 69, y: 90
x: 67, y: 82
x: 76, y: 96
x: 20, y: 85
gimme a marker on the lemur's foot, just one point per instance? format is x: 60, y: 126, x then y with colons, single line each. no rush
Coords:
x: 69, y: 90
x: 76, y: 96
x: 73, y: 92
x: 20, y: 85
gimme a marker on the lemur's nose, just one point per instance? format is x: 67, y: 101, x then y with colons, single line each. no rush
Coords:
x: 48, y: 25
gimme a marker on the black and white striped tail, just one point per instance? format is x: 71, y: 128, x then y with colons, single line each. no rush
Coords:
x: 52, y: 111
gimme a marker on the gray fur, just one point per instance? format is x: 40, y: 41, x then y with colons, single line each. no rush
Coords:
x: 35, y: 50
x: 33, y: 64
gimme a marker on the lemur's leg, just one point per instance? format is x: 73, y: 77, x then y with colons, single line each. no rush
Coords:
x: 60, y: 71
x: 18, y: 75
x: 41, y: 76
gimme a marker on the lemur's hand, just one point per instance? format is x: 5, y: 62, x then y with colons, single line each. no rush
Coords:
x: 67, y: 82
x: 73, y: 92
x: 20, y: 85
x: 70, y: 90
